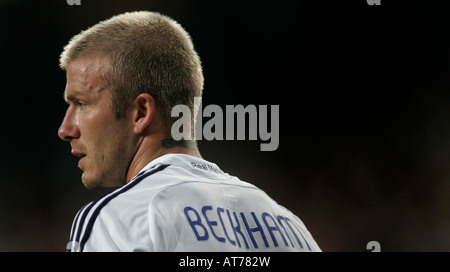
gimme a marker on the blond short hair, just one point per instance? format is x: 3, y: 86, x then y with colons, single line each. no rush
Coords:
x: 148, y: 53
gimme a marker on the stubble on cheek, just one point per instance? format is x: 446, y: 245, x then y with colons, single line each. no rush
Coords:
x: 111, y: 169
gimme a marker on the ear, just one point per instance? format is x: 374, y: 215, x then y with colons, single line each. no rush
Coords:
x: 143, y: 112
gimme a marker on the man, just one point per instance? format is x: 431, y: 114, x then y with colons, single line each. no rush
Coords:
x: 124, y: 76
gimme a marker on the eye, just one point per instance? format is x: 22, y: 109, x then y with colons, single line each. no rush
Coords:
x: 80, y: 103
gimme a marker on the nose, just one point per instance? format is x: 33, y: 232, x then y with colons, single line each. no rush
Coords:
x: 69, y: 128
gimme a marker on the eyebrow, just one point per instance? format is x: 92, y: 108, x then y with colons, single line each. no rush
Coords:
x: 71, y: 97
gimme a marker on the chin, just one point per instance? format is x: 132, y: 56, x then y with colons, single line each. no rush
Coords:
x: 103, y: 182
x: 90, y: 183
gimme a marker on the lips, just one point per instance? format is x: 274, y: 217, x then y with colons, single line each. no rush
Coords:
x: 79, y: 154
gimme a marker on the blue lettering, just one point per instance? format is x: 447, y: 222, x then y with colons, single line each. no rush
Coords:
x: 211, y: 224
x: 303, y: 237
x: 219, y: 211
x: 197, y: 222
x: 286, y: 227
x: 292, y: 230
x: 271, y: 229
x: 255, y: 229
x: 237, y: 229
x: 279, y: 218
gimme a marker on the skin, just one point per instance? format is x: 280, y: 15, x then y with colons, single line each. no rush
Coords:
x: 111, y: 150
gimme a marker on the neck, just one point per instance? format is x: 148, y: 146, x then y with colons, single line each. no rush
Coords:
x: 149, y: 150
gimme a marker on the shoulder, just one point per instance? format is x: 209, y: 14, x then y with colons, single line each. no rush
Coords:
x: 116, y: 210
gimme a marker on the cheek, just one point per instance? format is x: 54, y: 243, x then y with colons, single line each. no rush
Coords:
x: 110, y: 147
x: 95, y: 128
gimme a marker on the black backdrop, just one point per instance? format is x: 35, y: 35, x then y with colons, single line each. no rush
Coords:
x: 364, y: 113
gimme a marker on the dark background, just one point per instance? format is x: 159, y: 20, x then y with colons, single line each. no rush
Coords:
x: 364, y: 113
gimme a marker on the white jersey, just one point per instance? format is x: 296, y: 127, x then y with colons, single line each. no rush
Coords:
x: 183, y: 203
